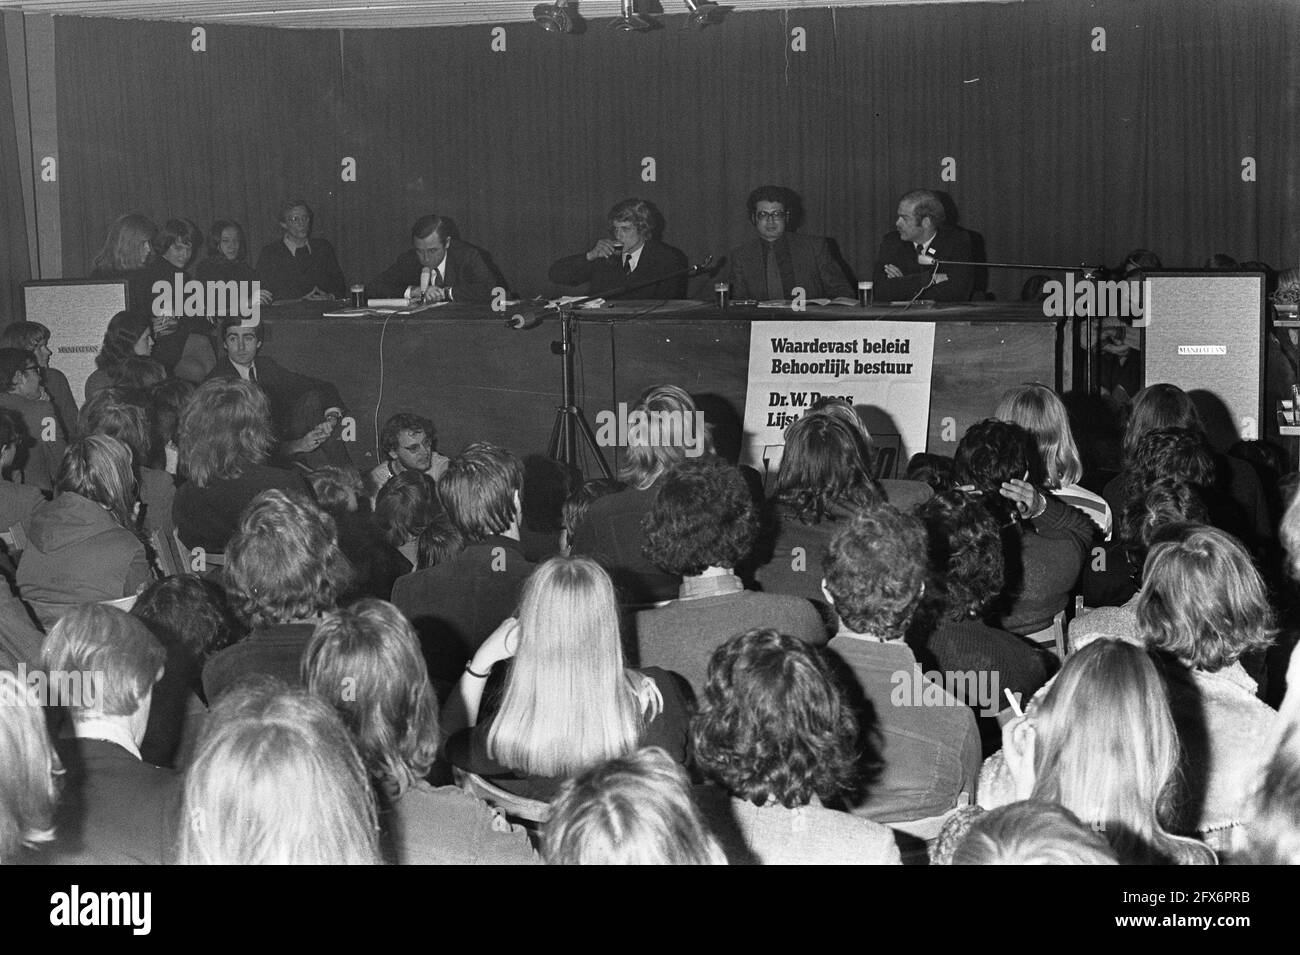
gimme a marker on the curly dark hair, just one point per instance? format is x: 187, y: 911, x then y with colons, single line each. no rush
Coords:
x: 774, y: 724
x: 788, y: 198
x: 875, y: 571
x: 965, y: 551
x: 405, y: 421
x: 703, y: 516
x: 825, y: 464
x: 991, y: 452
x: 1177, y: 453
x: 124, y: 330
x: 1164, y: 502
x: 406, y: 505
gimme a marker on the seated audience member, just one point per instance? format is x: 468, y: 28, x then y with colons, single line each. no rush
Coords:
x: 277, y: 780
x: 702, y: 526
x: 305, y: 411
x: 1235, y: 496
x: 439, y: 542
x: 1110, y: 585
x: 775, y: 261
x: 137, y: 373
x: 35, y: 338
x: 124, y: 415
x: 1032, y: 832
x: 632, y: 810
x: 1204, y: 604
x: 1044, y: 540
x: 456, y: 604
x: 547, y: 485
x: 406, y: 506
x: 409, y: 442
x: 82, y: 546
x: 29, y: 785
x: 17, y: 501
x: 167, y: 400
x: 576, y: 506
x: 632, y: 256
x: 365, y: 662
x: 128, y: 334
x: 283, y: 570
x: 224, y: 442
x: 774, y: 732
x: 966, y: 568
x: 127, y: 249
x: 116, y: 809
x: 298, y: 266
x: 611, y: 532
x: 1102, y: 743
x: 191, y: 618
x: 875, y: 576
x: 1039, y: 410
x: 44, y: 439
x: 1119, y: 360
x: 178, y: 336
x: 921, y: 229
x: 932, y: 470
x: 822, y: 482
x: 568, y: 701
x: 904, y: 494
x: 458, y: 272
x: 376, y: 562
x: 227, y: 258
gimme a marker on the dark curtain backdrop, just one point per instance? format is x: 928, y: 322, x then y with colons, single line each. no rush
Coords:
x: 1062, y: 154
x: 15, y: 265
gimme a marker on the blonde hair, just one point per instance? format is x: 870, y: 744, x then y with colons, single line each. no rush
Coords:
x: 645, y: 463
x: 277, y: 781
x: 1038, y: 410
x: 569, y: 702
x: 28, y: 785
x: 1107, y: 750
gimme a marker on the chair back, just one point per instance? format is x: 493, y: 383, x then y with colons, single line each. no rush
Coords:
x: 531, y: 812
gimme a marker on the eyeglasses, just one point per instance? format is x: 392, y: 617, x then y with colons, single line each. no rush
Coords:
x: 35, y: 368
x: 297, y: 218
x: 772, y: 216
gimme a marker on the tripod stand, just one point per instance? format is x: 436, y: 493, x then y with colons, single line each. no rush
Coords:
x: 570, y: 423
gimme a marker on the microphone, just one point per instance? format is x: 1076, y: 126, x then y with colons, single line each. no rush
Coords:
x: 525, y: 318
x: 927, y: 256
x: 425, y: 277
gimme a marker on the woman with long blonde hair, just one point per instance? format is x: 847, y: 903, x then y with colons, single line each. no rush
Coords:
x: 1102, y: 743
x: 569, y: 701
x: 1040, y: 411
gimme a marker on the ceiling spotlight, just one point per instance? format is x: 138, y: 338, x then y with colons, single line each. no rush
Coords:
x: 554, y: 17
x: 702, y: 14
x: 631, y: 21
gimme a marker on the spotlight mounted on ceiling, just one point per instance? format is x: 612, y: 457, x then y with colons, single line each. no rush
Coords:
x: 630, y: 21
x: 554, y: 17
x: 704, y: 13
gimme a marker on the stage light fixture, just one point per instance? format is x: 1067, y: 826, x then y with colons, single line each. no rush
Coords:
x: 631, y: 21
x: 554, y: 17
x: 702, y: 14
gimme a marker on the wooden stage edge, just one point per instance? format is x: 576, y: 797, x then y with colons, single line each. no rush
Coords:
x: 480, y: 380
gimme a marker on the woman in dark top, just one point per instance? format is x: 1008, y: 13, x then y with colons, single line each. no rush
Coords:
x: 127, y: 250
x: 176, y: 244
x: 966, y: 576
x: 227, y: 257
x: 129, y: 334
x: 568, y: 702
x: 225, y: 440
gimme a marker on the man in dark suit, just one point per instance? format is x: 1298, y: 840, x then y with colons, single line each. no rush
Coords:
x: 776, y: 262
x: 922, y: 231
x: 305, y: 411
x: 456, y: 604
x: 116, y: 809
x: 631, y: 257
x: 458, y: 271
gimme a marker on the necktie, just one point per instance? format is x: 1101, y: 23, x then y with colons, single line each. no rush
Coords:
x: 627, y: 263
x: 252, y: 373
x: 775, y: 287
x: 437, y: 279
x: 919, y: 248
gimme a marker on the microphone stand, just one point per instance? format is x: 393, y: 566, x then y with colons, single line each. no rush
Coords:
x: 1090, y: 273
x: 570, y: 422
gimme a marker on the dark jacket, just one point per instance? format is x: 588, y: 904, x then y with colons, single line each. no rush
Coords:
x: 605, y: 274
x: 467, y: 274
x: 803, y: 260
x: 950, y: 243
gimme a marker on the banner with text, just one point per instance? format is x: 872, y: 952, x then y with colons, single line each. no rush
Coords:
x: 881, y: 368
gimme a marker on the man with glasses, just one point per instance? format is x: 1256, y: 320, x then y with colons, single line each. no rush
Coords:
x: 922, y: 232
x: 299, y: 266
x: 777, y: 261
